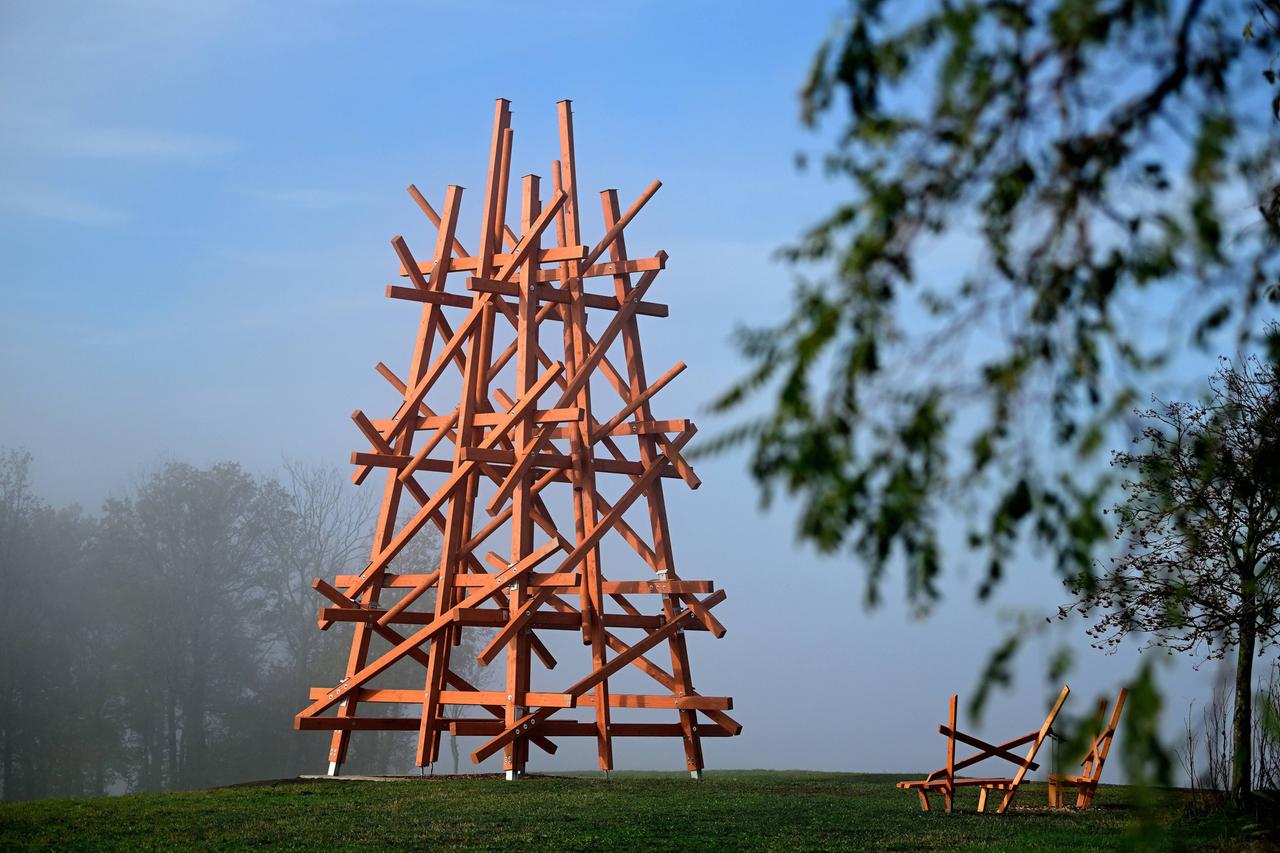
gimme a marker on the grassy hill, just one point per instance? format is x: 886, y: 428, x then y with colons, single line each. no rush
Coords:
x: 632, y: 811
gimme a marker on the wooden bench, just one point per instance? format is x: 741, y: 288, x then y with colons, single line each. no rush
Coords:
x: 1086, y: 783
x: 944, y: 780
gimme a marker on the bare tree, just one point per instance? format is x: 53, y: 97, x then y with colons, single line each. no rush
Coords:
x: 1202, y: 517
x: 1206, y: 754
x: 1266, y: 736
x: 324, y: 531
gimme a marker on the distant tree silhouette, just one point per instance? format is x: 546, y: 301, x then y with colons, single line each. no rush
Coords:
x: 61, y: 731
x: 168, y: 643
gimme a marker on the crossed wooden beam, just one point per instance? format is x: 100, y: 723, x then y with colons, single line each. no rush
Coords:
x: 499, y: 463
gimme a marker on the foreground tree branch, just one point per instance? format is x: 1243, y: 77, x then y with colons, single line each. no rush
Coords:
x: 1107, y: 171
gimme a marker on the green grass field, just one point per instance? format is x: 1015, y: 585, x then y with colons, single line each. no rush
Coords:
x: 751, y: 810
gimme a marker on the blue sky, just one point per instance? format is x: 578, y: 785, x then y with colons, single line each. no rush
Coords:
x: 195, y: 206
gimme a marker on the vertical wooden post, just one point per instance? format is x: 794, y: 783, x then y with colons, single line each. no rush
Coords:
x: 389, y: 507
x: 649, y: 454
x: 458, y: 520
x: 515, y: 754
x: 951, y: 754
x: 580, y: 444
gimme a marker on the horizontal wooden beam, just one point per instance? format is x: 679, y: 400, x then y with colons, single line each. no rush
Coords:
x: 552, y: 274
x: 536, y: 579
x: 658, y: 700
x: 502, y: 460
x: 570, y: 728
x: 392, y: 460
x: 658, y: 587
x: 603, y: 464
x: 627, y: 428
x: 610, y: 268
x: 473, y: 727
x: 443, y: 466
x: 546, y: 293
x: 434, y: 297
x: 658, y: 262
x: 357, y: 724
x: 491, y: 618
x: 410, y: 580
x: 451, y: 697
x: 564, y: 414
x: 540, y: 700
x: 470, y: 263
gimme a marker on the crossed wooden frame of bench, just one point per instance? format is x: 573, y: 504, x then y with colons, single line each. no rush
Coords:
x: 944, y: 780
x: 1086, y: 782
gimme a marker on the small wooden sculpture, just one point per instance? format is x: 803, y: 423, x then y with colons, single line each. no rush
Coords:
x: 1087, y: 782
x: 944, y: 780
x: 537, y: 461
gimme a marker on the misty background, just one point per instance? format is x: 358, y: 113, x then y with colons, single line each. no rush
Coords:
x: 195, y: 204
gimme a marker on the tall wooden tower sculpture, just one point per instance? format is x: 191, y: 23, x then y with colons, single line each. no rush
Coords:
x: 551, y: 444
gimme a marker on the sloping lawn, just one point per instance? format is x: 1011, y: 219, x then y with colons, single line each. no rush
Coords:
x: 753, y: 810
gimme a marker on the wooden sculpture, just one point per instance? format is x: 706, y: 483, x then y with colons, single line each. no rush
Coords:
x: 1086, y: 783
x: 944, y: 780
x: 546, y: 465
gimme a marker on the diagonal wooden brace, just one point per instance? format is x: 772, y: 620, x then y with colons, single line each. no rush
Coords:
x: 582, y: 375
x: 657, y: 673
x: 623, y: 504
x: 990, y: 750
x: 528, y: 721
x: 405, y: 413
x: 395, y: 638
x: 637, y: 401
x: 478, y: 596
x: 531, y: 239
x: 514, y: 625
x: 425, y: 207
x: 612, y: 234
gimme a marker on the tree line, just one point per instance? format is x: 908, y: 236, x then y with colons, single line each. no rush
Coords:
x: 166, y: 641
